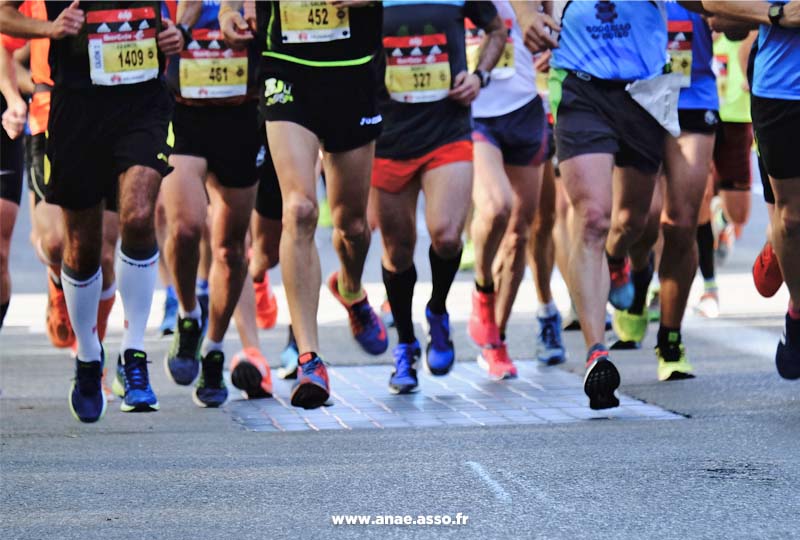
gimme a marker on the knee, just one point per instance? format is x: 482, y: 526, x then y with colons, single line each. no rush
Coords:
x: 107, y: 257
x: 739, y: 214
x: 446, y: 242
x: 595, y: 224
x: 300, y: 214
x: 789, y: 219
x: 186, y: 232
x: 628, y: 223
x: 230, y: 255
x: 52, y: 246
x: 137, y: 222
x: 495, y: 212
x: 349, y: 224
x: 398, y: 252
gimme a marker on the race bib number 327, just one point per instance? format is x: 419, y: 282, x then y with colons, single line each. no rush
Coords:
x: 122, y: 46
x: 417, y: 68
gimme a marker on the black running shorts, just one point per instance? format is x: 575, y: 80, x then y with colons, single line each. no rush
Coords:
x: 96, y: 134
x: 775, y: 122
x: 228, y: 137
x: 339, y: 105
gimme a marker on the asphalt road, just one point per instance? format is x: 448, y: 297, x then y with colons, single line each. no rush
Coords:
x: 728, y: 469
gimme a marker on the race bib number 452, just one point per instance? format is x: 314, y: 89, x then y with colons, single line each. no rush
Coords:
x: 313, y: 22
x: 209, y: 69
x: 417, y: 68
x: 122, y: 46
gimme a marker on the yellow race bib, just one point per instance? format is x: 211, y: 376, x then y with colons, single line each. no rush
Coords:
x: 313, y: 22
x: 122, y: 46
x: 505, y: 66
x: 209, y: 69
x: 417, y: 68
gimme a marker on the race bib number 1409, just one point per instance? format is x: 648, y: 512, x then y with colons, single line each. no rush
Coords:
x: 122, y: 46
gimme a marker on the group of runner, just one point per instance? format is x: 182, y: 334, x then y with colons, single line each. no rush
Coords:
x: 147, y: 135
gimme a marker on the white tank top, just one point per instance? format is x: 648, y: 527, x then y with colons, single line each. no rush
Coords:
x: 508, y: 93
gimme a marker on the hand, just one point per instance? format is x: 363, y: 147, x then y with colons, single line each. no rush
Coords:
x: 170, y: 39
x: 237, y: 32
x: 15, y: 117
x: 250, y: 14
x: 542, y: 62
x: 536, y: 32
x: 68, y: 22
x: 466, y: 88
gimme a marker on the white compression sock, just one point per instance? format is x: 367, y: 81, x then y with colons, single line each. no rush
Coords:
x: 136, y: 281
x: 547, y: 310
x: 209, y: 346
x: 82, y: 297
x: 195, y: 313
x: 108, y: 293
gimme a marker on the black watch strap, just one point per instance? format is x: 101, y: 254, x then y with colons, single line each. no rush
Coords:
x: 187, y: 34
x: 775, y: 14
x: 484, y: 76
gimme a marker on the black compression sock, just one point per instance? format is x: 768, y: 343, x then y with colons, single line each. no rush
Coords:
x: 400, y: 291
x: 641, y: 282
x: 705, y: 249
x: 3, y: 311
x: 443, y: 272
x: 669, y: 341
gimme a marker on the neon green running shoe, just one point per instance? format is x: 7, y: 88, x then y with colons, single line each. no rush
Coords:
x: 467, y: 256
x: 654, y: 303
x: 325, y: 219
x: 628, y: 326
x: 674, y: 370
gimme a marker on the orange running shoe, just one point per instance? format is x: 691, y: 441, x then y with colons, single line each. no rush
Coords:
x: 482, y: 326
x: 266, y: 304
x: 103, y: 311
x: 497, y: 363
x: 59, y: 329
x: 250, y: 372
x: 767, y: 273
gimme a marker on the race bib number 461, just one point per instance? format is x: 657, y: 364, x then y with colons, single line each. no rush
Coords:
x: 417, y: 68
x: 313, y: 22
x: 122, y: 46
x: 209, y: 69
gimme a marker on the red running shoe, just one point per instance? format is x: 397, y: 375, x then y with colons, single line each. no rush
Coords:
x: 497, y: 363
x: 767, y: 274
x: 482, y: 326
x: 266, y: 304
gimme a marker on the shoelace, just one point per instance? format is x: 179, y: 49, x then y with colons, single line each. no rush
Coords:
x: 548, y: 333
x: 136, y: 373
x: 88, y: 378
x: 403, y: 360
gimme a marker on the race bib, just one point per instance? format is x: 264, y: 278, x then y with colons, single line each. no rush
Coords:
x: 679, y: 47
x: 720, y: 67
x: 209, y: 69
x: 505, y: 66
x: 122, y: 46
x: 313, y: 22
x: 417, y: 68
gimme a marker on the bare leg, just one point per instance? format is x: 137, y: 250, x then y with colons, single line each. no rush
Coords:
x: 541, y: 244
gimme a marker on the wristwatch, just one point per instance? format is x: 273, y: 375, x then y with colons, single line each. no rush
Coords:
x: 187, y: 34
x: 775, y: 14
x: 484, y: 76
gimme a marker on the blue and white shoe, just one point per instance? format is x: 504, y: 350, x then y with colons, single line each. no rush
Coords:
x: 87, y: 403
x: 139, y: 396
x: 404, y: 377
x: 170, y: 312
x: 289, y: 358
x: 439, y: 353
x: 549, y: 346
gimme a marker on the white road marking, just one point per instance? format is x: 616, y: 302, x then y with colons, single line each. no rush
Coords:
x: 499, y: 493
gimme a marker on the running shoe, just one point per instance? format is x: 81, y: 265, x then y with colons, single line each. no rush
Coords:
x: 289, y: 358
x: 673, y: 365
x: 203, y: 300
x: 386, y: 314
x: 210, y: 390
x: 312, y: 388
x: 725, y: 243
x: 87, y: 403
x: 139, y: 395
x: 467, y: 256
x: 439, y: 352
x: 107, y: 390
x: 325, y: 220
x: 368, y: 329
x: 404, y: 377
x: 182, y: 361
x: 266, y: 304
x: 170, y: 313
x: 601, y: 379
x: 482, y: 326
x: 59, y: 329
x: 787, y: 356
x: 496, y: 362
x: 103, y: 312
x: 767, y: 273
x: 250, y: 373
x: 654, y: 302
x: 622, y: 291
x: 629, y: 327
x: 118, y: 384
x: 708, y: 306
x: 549, y: 346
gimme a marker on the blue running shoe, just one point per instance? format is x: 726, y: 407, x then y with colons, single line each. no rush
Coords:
x: 549, y: 347
x: 439, y: 353
x: 170, y: 312
x: 368, y: 329
x: 404, y: 376
x: 203, y: 300
x: 312, y: 388
x: 87, y: 403
x: 622, y: 290
x: 288, y: 369
x: 139, y: 396
x: 210, y: 390
x: 787, y: 356
x: 182, y: 361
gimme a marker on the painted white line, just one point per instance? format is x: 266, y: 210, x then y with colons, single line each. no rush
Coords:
x: 499, y: 493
